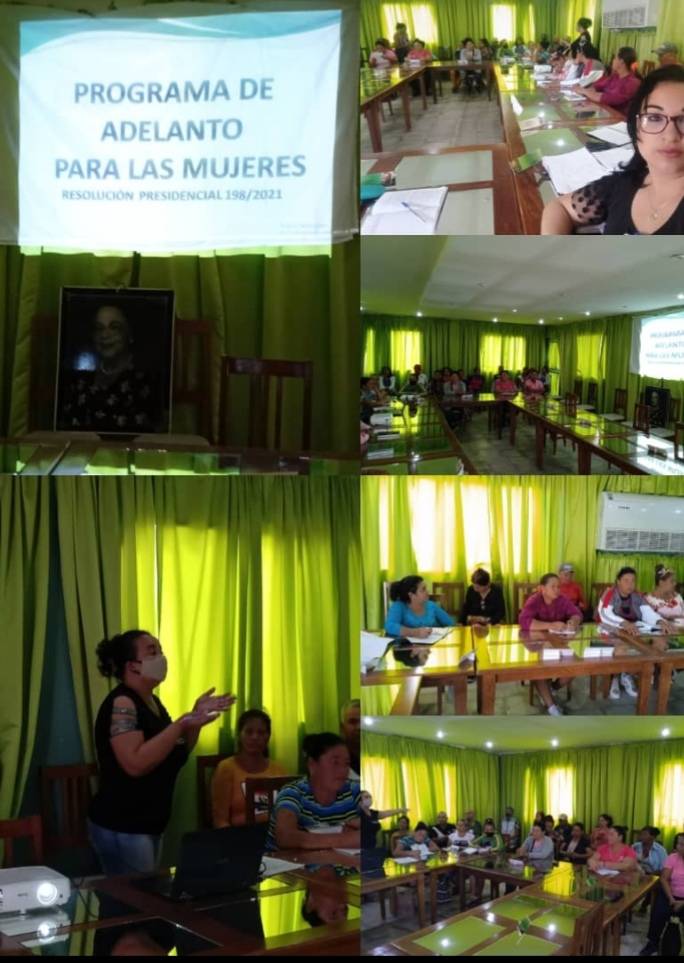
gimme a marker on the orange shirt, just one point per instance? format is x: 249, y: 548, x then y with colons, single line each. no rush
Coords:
x: 573, y: 593
x: 228, y: 802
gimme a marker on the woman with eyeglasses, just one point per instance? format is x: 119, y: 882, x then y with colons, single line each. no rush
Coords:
x: 647, y: 195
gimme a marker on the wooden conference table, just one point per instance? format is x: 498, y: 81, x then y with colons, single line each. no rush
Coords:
x: 123, y: 916
x: 22, y: 456
x: 485, y: 196
x: 506, y: 653
x: 567, y: 910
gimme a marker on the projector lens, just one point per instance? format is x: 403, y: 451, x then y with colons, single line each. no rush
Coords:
x: 46, y: 894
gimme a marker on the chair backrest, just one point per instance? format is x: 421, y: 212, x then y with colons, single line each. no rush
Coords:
x: 65, y: 794
x: 642, y: 418
x: 266, y: 788
x: 43, y: 371
x: 597, y: 590
x: 28, y: 827
x: 521, y: 592
x: 577, y: 388
x: 592, y: 393
x: 262, y: 373
x: 206, y: 766
x: 192, y: 370
x: 450, y: 596
x: 646, y: 67
x: 570, y: 401
x: 620, y: 401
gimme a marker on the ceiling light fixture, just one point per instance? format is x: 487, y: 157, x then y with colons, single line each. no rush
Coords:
x: 368, y: 721
x: 665, y: 733
x: 541, y: 321
x: 419, y: 314
x: 440, y: 734
x: 554, y: 743
x: 489, y: 744
x: 588, y: 313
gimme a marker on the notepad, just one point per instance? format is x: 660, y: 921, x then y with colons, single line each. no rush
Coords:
x: 590, y: 78
x: 406, y: 212
x: 570, y: 172
x: 612, y: 134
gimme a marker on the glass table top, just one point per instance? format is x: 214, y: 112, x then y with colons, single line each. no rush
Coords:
x: 374, y: 82
x: 148, y: 937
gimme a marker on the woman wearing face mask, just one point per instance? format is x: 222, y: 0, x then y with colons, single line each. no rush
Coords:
x: 140, y: 752
x: 484, y: 602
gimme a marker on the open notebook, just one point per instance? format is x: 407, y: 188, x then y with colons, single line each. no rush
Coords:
x: 572, y: 171
x: 406, y: 212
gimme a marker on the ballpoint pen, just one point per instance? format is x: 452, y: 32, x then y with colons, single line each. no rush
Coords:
x: 413, y: 211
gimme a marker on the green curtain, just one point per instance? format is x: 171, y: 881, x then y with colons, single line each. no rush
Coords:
x: 629, y: 782
x: 248, y: 582
x: 427, y: 777
x: 25, y: 544
x: 290, y: 307
x: 452, y: 20
x: 457, y: 343
x: 517, y: 527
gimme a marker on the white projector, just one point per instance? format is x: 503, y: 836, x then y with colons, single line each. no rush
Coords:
x: 32, y: 887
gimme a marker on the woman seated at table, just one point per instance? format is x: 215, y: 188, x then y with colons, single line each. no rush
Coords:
x: 475, y: 381
x: 599, y: 834
x: 417, y: 842
x: 455, y: 387
x: 382, y: 57
x: 520, y: 48
x: 664, y: 598
x: 622, y: 607
x: 387, y: 381
x: 620, y: 86
x: 484, y: 602
x: 228, y: 800
x: 412, y: 613
x: 469, y: 54
x: 419, y: 56
x: 403, y: 828
x: 669, y: 897
x: 504, y: 385
x: 533, y: 386
x: 546, y: 610
x: 462, y: 837
x: 320, y: 811
x: 588, y: 59
x: 647, y: 195
x: 650, y: 854
x: 537, y: 846
x: 575, y: 850
x: 614, y: 853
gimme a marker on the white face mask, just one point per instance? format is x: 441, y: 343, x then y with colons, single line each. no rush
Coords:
x: 155, y: 668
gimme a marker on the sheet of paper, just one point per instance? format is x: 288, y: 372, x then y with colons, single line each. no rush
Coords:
x: 611, y: 159
x: 590, y: 78
x: 372, y: 648
x: 607, y: 872
x: 406, y: 212
x: 272, y: 865
x: 319, y: 830
x: 435, y: 636
x: 404, y: 860
x: 571, y: 95
x: 470, y: 850
x: 516, y: 105
x: 612, y: 134
x: 348, y: 852
x: 570, y: 172
x: 598, y: 652
x: 380, y: 454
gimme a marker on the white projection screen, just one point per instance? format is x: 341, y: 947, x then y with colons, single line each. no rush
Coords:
x: 180, y: 127
x: 658, y: 347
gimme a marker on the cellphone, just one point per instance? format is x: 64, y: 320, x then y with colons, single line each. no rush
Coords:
x: 584, y: 114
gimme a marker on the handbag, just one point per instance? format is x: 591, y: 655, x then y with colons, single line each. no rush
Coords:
x: 671, y: 937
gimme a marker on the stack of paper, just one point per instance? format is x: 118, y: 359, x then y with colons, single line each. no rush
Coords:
x: 569, y: 172
x: 406, y: 212
x: 612, y: 134
x: 435, y: 636
x: 372, y: 650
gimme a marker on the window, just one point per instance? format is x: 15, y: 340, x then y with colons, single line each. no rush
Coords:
x: 369, y: 353
x: 530, y: 801
x: 497, y: 349
x: 590, y: 356
x: 475, y: 510
x: 668, y: 804
x: 418, y: 17
x: 560, y: 790
x: 406, y: 350
x: 503, y: 16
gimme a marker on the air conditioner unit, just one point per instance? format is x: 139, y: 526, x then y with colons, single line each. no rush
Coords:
x: 641, y: 523
x: 630, y: 14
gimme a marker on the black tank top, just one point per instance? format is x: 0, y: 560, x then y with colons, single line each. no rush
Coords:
x: 134, y: 805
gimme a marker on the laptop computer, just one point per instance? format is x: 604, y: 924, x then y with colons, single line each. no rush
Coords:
x: 214, y: 862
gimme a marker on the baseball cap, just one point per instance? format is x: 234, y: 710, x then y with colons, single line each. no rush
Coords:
x: 566, y: 567
x: 666, y: 48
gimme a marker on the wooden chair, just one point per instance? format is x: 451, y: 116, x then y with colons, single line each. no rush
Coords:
x: 592, y: 394
x: 206, y: 766
x: 192, y: 370
x: 620, y: 402
x: 642, y: 418
x: 587, y: 938
x: 28, y: 827
x: 646, y: 67
x: 65, y: 795
x: 450, y: 596
x: 577, y: 388
x: 521, y: 593
x: 678, y: 438
x: 267, y: 786
x: 43, y: 371
x: 261, y: 373
x: 570, y: 402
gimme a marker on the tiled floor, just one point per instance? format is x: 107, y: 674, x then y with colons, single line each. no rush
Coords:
x: 456, y: 120
x: 493, y: 456
x: 512, y: 699
x: 377, y: 933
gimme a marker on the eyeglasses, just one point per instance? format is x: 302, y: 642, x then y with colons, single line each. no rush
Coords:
x: 655, y: 123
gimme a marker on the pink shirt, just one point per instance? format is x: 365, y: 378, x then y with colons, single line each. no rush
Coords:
x: 533, y: 386
x: 418, y: 53
x: 382, y: 58
x: 560, y: 610
x: 617, y: 91
x: 624, y: 852
x: 504, y: 386
x: 675, y: 862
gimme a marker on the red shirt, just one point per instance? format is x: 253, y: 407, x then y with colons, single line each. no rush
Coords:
x: 624, y: 852
x: 572, y: 591
x: 617, y: 91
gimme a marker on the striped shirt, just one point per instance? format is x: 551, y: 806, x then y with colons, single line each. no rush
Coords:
x: 299, y: 799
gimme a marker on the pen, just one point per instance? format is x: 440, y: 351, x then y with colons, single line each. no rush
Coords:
x: 413, y: 211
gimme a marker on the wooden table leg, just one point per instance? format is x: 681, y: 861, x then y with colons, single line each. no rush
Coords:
x: 434, y: 86
x: 514, y: 418
x: 539, y: 438
x: 406, y: 100
x: 420, y: 894
x: 423, y: 90
x: 664, y: 686
x: 462, y: 883
x: 433, y: 897
x: 372, y: 113
x: 460, y: 688
x: 487, y: 694
x: 583, y: 459
x: 645, y: 681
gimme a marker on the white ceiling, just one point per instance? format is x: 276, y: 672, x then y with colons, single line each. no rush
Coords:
x: 528, y: 733
x: 480, y: 278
